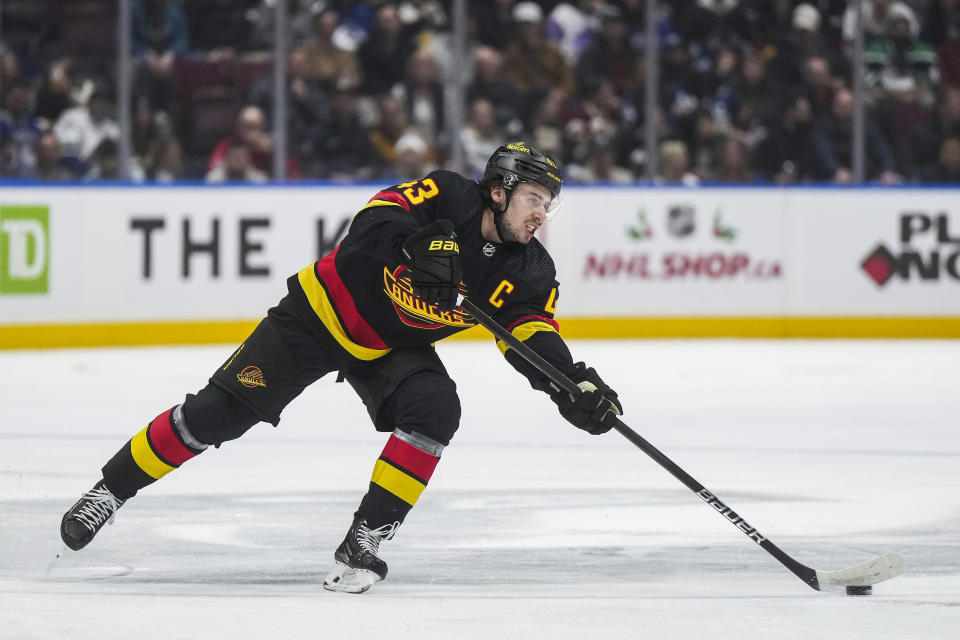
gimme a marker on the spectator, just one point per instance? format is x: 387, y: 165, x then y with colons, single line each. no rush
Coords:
x: 681, y: 84
x: 53, y: 96
x: 802, y: 40
x: 598, y: 115
x: 572, y: 26
x: 786, y: 155
x: 165, y: 160
x: 341, y: 143
x: 707, y: 24
x: 105, y: 164
x: 384, y: 54
x: 160, y: 35
x: 147, y: 124
x: 548, y: 127
x: 491, y: 21
x: 898, y: 61
x: 488, y: 83
x: 833, y: 141
x: 80, y: 130
x: 533, y: 65
x: 19, y: 132
x: 941, y: 29
x: 480, y: 137
x: 392, y: 123
x: 734, y: 163
x: 422, y: 16
x: 608, y: 56
x: 9, y: 67
x: 923, y: 144
x: 675, y: 164
x: 875, y: 14
x: 819, y: 84
x: 721, y: 98
x: 948, y: 54
x: 306, y: 102
x: 600, y: 165
x: 756, y: 103
x: 251, y: 129
x: 328, y: 64
x: 703, y: 139
x: 49, y: 166
x: 412, y: 158
x: 423, y: 95
x: 237, y: 165
x: 947, y: 168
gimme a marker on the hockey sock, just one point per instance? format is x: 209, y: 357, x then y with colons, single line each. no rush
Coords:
x: 399, y: 477
x: 162, y: 446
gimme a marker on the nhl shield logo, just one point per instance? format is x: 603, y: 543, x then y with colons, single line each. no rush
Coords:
x: 681, y: 220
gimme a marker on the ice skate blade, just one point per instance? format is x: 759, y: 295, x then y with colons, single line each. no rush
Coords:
x: 72, y: 565
x: 346, y: 579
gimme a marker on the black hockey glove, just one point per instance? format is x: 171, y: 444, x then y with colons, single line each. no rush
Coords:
x: 435, y: 269
x: 597, y: 408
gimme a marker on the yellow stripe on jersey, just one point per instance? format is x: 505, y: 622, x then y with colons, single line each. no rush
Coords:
x: 525, y: 331
x: 397, y: 482
x: 146, y: 459
x: 320, y: 302
x: 380, y: 203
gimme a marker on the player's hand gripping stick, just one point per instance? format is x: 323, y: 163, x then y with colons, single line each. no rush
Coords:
x: 434, y: 259
x: 595, y: 408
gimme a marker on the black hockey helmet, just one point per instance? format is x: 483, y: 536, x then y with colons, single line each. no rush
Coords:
x: 519, y: 162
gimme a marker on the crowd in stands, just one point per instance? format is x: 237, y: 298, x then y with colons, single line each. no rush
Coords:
x: 750, y: 91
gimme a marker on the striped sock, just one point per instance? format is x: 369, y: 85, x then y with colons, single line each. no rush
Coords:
x: 399, y: 477
x: 151, y: 454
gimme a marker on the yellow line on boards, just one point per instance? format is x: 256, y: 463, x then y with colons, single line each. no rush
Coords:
x: 234, y: 331
x: 123, y: 334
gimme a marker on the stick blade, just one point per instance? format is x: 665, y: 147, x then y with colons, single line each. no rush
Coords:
x: 869, y: 572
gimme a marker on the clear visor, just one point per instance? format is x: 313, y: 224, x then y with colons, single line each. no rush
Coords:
x: 551, y: 208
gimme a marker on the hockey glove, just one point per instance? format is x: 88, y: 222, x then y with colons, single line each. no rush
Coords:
x: 434, y: 259
x: 597, y: 408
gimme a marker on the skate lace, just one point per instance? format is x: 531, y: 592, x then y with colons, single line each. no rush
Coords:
x: 369, y: 539
x: 99, y: 505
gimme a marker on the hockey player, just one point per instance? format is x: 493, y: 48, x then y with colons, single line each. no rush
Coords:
x: 371, y: 310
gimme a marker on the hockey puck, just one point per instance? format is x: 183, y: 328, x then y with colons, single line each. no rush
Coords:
x: 859, y: 591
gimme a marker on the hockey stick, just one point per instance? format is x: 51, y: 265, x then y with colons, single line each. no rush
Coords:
x: 869, y: 572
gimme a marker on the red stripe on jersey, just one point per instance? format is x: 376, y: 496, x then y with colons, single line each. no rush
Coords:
x: 553, y: 323
x: 416, y: 461
x: 391, y: 196
x: 165, y: 442
x: 361, y: 332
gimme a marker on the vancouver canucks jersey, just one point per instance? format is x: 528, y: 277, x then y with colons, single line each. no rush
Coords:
x: 361, y: 291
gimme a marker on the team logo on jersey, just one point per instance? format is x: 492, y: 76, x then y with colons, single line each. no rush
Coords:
x: 251, y: 377
x: 415, y: 312
x: 489, y: 249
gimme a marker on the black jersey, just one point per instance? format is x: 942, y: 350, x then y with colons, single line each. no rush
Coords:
x: 361, y: 291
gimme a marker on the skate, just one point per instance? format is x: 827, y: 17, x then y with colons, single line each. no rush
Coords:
x: 88, y: 515
x: 358, y: 565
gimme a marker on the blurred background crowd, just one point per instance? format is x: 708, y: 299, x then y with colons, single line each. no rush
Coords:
x: 748, y: 91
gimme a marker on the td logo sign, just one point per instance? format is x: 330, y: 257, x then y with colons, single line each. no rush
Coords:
x: 24, y: 249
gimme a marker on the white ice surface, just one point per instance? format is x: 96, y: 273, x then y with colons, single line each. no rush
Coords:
x: 835, y: 450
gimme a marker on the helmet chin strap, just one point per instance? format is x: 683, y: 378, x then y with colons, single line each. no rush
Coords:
x: 498, y: 216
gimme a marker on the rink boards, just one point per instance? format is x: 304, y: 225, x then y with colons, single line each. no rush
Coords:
x: 198, y: 264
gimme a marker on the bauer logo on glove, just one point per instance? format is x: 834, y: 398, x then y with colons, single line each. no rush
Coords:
x: 443, y: 245
x: 435, y: 268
